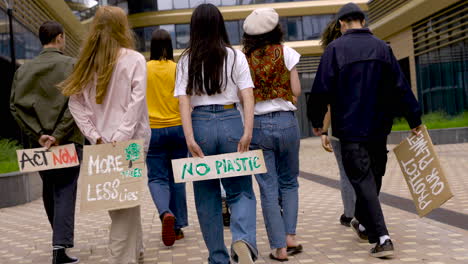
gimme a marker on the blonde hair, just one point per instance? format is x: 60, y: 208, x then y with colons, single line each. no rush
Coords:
x: 109, y: 32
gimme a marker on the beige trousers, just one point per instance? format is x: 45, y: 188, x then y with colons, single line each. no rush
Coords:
x: 125, y: 236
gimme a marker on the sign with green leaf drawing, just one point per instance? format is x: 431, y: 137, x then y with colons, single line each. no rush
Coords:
x: 111, y: 176
x: 218, y: 166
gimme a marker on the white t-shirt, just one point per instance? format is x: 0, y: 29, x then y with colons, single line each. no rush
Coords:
x: 291, y: 59
x: 241, y: 76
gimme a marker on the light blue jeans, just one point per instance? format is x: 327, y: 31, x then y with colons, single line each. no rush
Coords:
x: 347, y: 191
x: 166, y: 144
x: 277, y: 134
x: 217, y: 131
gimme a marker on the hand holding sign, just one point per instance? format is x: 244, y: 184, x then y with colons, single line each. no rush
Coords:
x: 40, y: 159
x: 218, y: 166
x: 111, y: 175
x: 422, y: 171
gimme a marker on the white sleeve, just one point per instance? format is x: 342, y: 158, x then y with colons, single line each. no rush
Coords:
x: 291, y: 57
x: 242, y: 72
x: 181, y: 77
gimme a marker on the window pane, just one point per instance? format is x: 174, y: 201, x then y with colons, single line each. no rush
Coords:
x: 178, y: 4
x: 232, y: 28
x: 165, y: 5
x: 314, y: 25
x: 214, y: 2
x: 182, y: 36
x: 195, y: 3
x: 295, y: 28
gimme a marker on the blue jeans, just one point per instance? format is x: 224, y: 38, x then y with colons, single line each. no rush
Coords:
x: 347, y: 191
x: 217, y: 131
x: 166, y: 144
x: 277, y: 134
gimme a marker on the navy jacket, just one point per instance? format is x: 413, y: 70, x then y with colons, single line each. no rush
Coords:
x: 361, y: 80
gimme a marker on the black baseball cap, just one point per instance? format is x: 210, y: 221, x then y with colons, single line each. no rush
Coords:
x: 349, y: 9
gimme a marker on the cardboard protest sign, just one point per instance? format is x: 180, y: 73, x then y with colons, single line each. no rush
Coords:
x: 39, y: 159
x: 218, y: 166
x: 111, y: 177
x: 423, y: 174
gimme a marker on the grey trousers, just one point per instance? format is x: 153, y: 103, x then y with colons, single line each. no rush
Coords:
x: 59, y: 197
x: 125, y: 236
x: 347, y: 191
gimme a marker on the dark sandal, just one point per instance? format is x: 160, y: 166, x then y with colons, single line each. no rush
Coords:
x: 273, y: 257
x: 294, y: 250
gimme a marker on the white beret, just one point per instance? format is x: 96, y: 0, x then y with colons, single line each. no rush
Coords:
x: 261, y: 21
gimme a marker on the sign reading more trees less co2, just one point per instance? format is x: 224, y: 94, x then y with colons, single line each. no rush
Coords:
x: 218, y: 166
x: 111, y: 176
x: 40, y: 159
x: 423, y: 174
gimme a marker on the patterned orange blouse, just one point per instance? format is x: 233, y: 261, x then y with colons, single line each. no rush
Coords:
x: 271, y: 77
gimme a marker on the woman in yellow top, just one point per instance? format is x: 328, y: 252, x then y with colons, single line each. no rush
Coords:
x: 167, y: 138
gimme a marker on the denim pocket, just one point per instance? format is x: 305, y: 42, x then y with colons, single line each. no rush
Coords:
x: 232, y: 126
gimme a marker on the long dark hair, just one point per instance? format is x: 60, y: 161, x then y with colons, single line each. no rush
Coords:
x: 331, y: 32
x: 161, y: 45
x: 253, y: 42
x: 207, y: 52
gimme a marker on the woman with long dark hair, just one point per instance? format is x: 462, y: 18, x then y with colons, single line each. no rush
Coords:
x: 211, y: 76
x: 167, y: 138
x: 276, y: 130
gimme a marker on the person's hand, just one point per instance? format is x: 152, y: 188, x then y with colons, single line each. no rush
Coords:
x: 294, y: 100
x: 47, y: 141
x: 417, y: 130
x: 194, y: 149
x: 317, y: 131
x: 244, y: 143
x: 99, y: 141
x: 326, y: 143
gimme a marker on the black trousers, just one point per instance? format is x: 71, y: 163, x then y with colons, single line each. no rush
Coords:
x: 59, y: 197
x: 364, y: 164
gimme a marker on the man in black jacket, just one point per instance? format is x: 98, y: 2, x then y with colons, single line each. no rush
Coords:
x: 360, y: 78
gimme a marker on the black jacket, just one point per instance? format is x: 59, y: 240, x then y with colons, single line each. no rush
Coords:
x: 361, y: 80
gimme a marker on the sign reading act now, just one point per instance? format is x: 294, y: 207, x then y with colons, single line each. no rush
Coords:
x: 39, y: 159
x: 219, y: 166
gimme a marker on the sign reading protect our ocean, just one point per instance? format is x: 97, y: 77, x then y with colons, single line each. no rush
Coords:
x: 111, y: 176
x: 218, y: 166
x: 39, y: 159
x: 422, y: 171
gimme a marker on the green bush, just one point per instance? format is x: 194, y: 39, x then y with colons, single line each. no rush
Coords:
x: 435, y: 120
x: 8, y: 160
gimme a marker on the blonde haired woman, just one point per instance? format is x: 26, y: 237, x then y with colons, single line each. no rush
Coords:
x: 107, y: 92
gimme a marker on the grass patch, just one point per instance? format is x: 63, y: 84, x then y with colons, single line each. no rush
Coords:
x: 8, y: 159
x: 436, y: 120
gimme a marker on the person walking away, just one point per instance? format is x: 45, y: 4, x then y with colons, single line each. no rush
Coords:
x: 167, y: 138
x: 362, y: 81
x: 211, y: 76
x: 107, y: 92
x: 42, y: 113
x: 332, y: 144
x: 276, y: 131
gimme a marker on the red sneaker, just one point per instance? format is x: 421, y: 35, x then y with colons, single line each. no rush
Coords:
x: 168, y: 233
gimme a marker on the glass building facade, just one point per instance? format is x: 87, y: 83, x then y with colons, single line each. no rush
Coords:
x: 294, y: 28
x: 133, y: 6
x: 27, y: 44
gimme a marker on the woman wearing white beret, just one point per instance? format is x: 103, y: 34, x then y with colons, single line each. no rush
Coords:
x: 276, y: 131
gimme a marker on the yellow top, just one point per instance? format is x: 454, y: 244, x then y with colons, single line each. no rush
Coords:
x: 163, y: 107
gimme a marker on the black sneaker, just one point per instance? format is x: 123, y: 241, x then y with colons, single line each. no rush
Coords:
x: 59, y: 256
x: 355, y: 226
x: 346, y: 221
x: 226, y: 214
x: 382, y: 250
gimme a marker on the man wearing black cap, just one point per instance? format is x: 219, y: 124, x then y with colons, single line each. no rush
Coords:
x: 360, y: 78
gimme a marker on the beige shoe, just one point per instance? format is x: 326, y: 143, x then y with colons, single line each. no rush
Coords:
x: 243, y: 253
